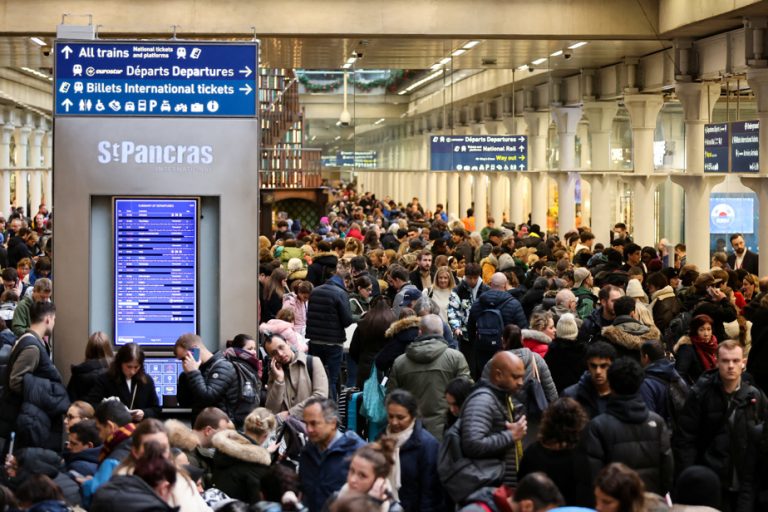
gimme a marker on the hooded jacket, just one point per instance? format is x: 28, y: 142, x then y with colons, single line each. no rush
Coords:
x: 328, y: 313
x: 665, y: 306
x: 536, y: 341
x: 591, y: 329
x: 399, y: 335
x: 84, y: 376
x: 322, y: 267
x: 655, y: 387
x: 49, y: 463
x: 85, y: 462
x: 586, y: 394
x: 627, y: 335
x: 425, y: 370
x: 511, y: 312
x: 628, y: 432
x: 128, y: 493
x: 323, y: 473
x: 184, y: 438
x: 239, y: 464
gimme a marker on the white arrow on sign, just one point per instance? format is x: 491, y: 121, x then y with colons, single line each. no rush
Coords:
x: 66, y: 104
x: 247, y: 71
x: 67, y: 51
x: 247, y: 89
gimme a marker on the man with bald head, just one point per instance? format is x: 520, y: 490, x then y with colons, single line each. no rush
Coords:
x: 425, y: 370
x: 492, y: 425
x: 494, y: 310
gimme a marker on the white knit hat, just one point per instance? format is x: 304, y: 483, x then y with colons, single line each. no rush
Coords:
x: 295, y: 264
x: 566, y: 327
x: 579, y: 275
x: 635, y: 289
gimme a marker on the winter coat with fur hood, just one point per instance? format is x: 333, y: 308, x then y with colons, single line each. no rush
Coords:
x: 627, y: 335
x: 399, y: 335
x: 185, y: 439
x: 239, y: 464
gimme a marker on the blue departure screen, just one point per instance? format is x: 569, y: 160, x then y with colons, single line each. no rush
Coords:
x: 165, y: 372
x: 155, y: 270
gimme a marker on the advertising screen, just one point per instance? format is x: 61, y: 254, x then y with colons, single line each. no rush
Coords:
x: 155, y: 262
x: 731, y: 214
x: 165, y: 372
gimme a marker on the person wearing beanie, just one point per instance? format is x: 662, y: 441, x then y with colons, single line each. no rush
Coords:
x: 697, y: 490
x: 506, y: 262
x: 296, y: 271
x: 635, y: 290
x: 586, y: 301
x: 565, y: 356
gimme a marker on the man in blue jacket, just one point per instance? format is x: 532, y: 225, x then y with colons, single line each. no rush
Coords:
x: 324, y: 461
x: 328, y: 314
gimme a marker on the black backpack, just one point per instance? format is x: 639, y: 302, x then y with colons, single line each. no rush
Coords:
x: 490, y: 326
x: 248, y: 390
x: 677, y: 393
x: 676, y: 329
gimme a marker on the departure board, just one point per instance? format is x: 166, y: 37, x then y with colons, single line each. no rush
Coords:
x: 155, y: 244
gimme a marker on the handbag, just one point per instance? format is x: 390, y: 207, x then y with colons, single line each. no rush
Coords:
x: 373, y: 408
x: 535, y: 398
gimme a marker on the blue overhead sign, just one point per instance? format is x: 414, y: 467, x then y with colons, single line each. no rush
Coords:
x: 155, y: 78
x: 745, y: 146
x: 479, y: 153
x: 716, y: 147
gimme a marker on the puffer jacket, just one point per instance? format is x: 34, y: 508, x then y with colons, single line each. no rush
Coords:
x: 85, y: 462
x: 299, y: 308
x: 33, y: 461
x: 565, y: 359
x: 285, y: 329
x: 511, y: 312
x: 627, y: 335
x: 425, y: 370
x: 585, y: 393
x: 323, y: 266
x: 213, y: 385
x: 239, y: 464
x: 44, y: 401
x: 665, y: 306
x: 420, y: 489
x: 328, y: 313
x: 399, y: 335
x: 323, y: 473
x: 84, y: 377
x: 128, y: 493
x: 484, y: 434
x: 629, y: 433
x: 591, y: 329
x: 757, y: 363
x: 710, y: 435
x: 536, y: 341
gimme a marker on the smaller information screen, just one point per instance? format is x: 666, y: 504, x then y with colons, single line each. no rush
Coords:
x: 165, y: 372
x: 745, y: 146
x: 716, y: 138
x: 155, y: 248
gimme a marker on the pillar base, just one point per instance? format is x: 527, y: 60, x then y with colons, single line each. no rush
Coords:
x: 697, y: 190
x: 644, y: 188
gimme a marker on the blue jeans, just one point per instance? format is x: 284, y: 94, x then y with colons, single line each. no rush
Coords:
x: 331, y: 356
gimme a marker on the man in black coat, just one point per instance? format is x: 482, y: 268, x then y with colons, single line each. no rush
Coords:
x: 593, y: 388
x: 741, y: 257
x: 592, y: 328
x: 718, y: 427
x: 328, y: 315
x: 209, y: 380
x: 629, y: 433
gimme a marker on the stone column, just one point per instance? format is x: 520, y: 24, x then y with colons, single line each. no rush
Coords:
x: 698, y: 101
x: 600, y: 115
x: 516, y: 199
x: 6, y: 134
x: 567, y: 121
x: 697, y: 190
x: 643, y: 110
x: 22, y: 148
x: 603, y: 199
x: 480, y: 197
x: 499, y: 198
x: 453, y: 187
x: 538, y: 127
x: 441, y: 194
x: 35, y: 160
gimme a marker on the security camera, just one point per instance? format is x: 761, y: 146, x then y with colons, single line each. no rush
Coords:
x: 567, y: 54
x: 47, y: 52
x: 358, y: 55
x: 345, y: 119
x: 531, y: 69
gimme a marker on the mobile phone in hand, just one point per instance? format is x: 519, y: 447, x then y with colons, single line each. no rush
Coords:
x: 196, y: 354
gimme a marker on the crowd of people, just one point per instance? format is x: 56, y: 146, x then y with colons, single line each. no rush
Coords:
x: 407, y: 361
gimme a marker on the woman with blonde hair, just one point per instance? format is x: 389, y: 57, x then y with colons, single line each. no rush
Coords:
x: 241, y: 460
x: 440, y: 292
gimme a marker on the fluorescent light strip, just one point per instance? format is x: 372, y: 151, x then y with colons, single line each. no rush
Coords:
x: 346, y: 65
x: 458, y: 52
x: 380, y: 121
x: 523, y: 67
x: 421, y: 82
x: 445, y: 60
x: 556, y: 54
x: 539, y: 61
x: 38, y: 41
x: 471, y: 44
x: 577, y: 45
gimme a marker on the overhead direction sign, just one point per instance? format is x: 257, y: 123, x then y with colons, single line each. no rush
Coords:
x: 479, y: 152
x: 745, y: 146
x: 156, y: 78
x: 716, y: 138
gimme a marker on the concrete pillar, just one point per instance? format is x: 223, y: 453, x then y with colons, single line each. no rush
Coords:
x: 758, y: 82
x: 499, y: 198
x: 759, y: 184
x: 22, y: 148
x: 600, y: 115
x: 697, y: 190
x: 480, y: 197
x: 698, y: 101
x: 567, y: 121
x: 603, y: 204
x: 441, y: 194
x: 516, y: 213
x: 465, y: 193
x: 5, y: 163
x: 643, y: 110
x: 421, y: 191
x: 493, y: 127
x: 538, y: 128
x: 35, y: 160
x: 453, y: 187
x: 431, y: 190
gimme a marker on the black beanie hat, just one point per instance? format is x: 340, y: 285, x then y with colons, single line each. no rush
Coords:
x: 697, y: 485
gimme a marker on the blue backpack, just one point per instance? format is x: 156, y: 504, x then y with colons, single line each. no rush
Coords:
x: 490, y: 326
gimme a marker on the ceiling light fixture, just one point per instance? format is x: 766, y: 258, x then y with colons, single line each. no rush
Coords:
x: 539, y: 61
x: 577, y: 45
x: 556, y: 54
x: 445, y: 61
x: 38, y: 41
x: 523, y: 67
x: 421, y: 82
x: 471, y: 44
x: 458, y: 52
x: 379, y: 121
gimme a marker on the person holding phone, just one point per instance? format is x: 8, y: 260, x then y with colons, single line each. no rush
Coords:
x: 125, y: 378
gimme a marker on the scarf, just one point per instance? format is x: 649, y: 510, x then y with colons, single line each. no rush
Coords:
x: 707, y: 351
x: 400, y: 439
x: 244, y: 355
x: 114, y: 439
